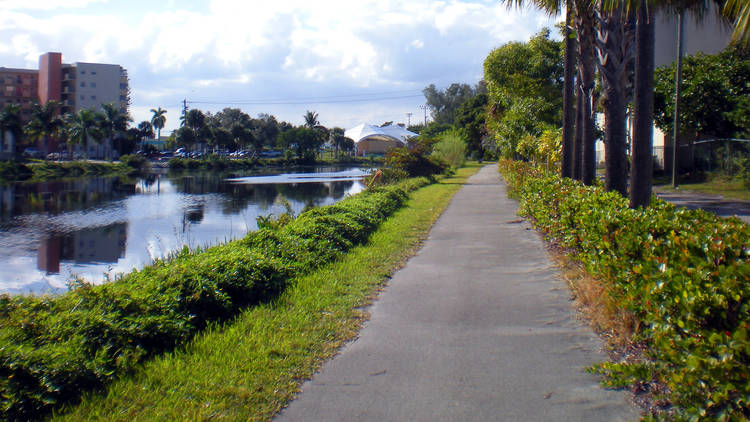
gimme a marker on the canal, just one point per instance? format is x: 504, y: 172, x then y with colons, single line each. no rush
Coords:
x: 98, y: 228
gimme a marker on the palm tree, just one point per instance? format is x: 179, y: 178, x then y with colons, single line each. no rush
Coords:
x: 45, y: 123
x: 643, y: 109
x: 83, y: 127
x: 586, y: 160
x: 145, y: 130
x: 739, y: 12
x: 311, y: 119
x: 158, y: 120
x: 614, y: 42
x: 113, y: 123
x: 10, y: 122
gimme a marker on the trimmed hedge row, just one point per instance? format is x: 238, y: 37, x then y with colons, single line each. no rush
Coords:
x: 684, y: 274
x: 54, y: 348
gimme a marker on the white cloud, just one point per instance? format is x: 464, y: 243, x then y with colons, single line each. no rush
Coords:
x: 45, y: 4
x: 231, y: 50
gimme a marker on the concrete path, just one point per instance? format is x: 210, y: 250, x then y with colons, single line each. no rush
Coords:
x: 477, y: 327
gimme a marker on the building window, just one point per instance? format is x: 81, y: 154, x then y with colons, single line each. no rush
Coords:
x: 93, y: 84
x: 83, y: 84
x: 83, y: 72
x: 93, y: 72
x: 93, y: 97
x: 83, y: 97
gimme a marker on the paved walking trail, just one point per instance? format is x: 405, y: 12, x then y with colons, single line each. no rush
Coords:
x: 477, y: 327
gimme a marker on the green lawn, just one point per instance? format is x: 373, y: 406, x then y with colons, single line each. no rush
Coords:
x: 249, y: 368
x: 728, y: 188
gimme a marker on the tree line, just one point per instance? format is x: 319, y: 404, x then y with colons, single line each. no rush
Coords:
x: 228, y: 129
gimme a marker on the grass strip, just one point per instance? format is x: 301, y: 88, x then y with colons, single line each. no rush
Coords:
x: 250, y: 367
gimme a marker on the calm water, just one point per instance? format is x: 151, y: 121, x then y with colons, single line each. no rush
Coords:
x: 53, y: 232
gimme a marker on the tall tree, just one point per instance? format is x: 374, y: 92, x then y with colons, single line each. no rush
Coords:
x: 45, y: 123
x: 158, y: 120
x: 643, y: 109
x: 614, y: 43
x: 113, y: 123
x: 311, y: 119
x: 567, y: 167
x: 10, y: 124
x: 144, y: 130
x: 444, y: 103
x: 524, y: 81
x: 83, y: 127
x: 303, y: 139
x: 585, y: 28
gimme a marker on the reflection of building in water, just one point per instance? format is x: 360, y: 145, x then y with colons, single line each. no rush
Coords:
x: 7, y: 202
x: 99, y: 244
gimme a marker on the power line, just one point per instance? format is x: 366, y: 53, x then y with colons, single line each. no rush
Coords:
x: 307, y: 101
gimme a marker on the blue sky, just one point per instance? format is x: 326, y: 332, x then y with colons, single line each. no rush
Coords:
x: 351, y: 61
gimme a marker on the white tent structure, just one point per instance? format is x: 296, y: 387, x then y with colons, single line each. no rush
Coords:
x: 371, y: 139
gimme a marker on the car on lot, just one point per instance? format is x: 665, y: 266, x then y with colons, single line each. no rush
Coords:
x: 32, y: 153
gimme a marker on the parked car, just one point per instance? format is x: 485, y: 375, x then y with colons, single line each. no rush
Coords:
x: 32, y: 153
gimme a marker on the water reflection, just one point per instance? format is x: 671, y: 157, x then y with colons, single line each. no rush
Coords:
x: 87, y: 246
x: 55, y: 231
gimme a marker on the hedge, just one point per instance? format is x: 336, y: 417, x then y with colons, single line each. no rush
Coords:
x: 684, y: 274
x: 54, y: 348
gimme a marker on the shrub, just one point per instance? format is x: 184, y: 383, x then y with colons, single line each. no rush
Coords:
x: 13, y: 170
x: 135, y: 161
x: 415, y: 162
x: 451, y: 148
x: 684, y: 274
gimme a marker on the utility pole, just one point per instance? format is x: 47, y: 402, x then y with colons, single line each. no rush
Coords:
x: 184, y: 111
x: 424, y: 107
x: 408, y: 119
x: 676, y: 121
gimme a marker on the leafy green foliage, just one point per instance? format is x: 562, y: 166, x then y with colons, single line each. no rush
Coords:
x: 470, y: 122
x: 13, y: 170
x: 444, y: 103
x: 451, y: 148
x: 524, y: 81
x: 715, y: 94
x: 53, y: 348
x: 684, y: 274
x: 415, y: 161
x: 134, y: 161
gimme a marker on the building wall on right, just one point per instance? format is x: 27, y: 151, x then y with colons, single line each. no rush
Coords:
x: 709, y: 36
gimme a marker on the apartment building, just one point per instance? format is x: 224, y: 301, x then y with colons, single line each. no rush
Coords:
x: 18, y: 86
x: 76, y: 86
x: 81, y: 85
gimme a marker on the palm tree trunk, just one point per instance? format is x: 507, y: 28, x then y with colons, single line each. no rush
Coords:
x: 614, y: 45
x: 642, y: 167
x: 586, y: 67
x: 578, y: 142
x: 567, y: 166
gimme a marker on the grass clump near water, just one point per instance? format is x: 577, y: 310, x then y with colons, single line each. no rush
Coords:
x: 682, y: 276
x: 54, y: 348
x: 249, y: 367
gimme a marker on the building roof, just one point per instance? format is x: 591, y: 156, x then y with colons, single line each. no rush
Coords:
x: 364, y: 131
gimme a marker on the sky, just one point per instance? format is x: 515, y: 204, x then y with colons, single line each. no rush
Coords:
x: 351, y: 61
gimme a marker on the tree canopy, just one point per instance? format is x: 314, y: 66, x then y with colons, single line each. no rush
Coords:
x: 715, y: 96
x: 524, y: 82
